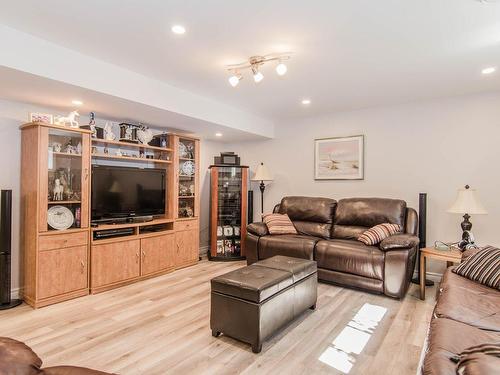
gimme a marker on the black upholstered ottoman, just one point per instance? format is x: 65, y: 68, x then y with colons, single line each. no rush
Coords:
x: 252, y: 303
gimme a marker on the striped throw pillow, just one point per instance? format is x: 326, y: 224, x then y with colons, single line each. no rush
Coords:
x: 279, y: 224
x: 379, y: 232
x: 482, y: 267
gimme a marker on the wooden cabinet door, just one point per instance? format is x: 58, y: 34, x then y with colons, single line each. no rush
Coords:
x: 115, y: 262
x: 186, y: 247
x: 62, y: 271
x: 157, y: 254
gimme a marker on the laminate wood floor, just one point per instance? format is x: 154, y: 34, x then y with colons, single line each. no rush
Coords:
x: 161, y: 326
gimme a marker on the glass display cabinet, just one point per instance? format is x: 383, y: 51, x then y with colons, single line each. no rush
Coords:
x: 187, y: 185
x: 228, y: 210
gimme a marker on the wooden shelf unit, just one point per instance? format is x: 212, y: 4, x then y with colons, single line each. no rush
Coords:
x: 130, y: 158
x: 60, y: 265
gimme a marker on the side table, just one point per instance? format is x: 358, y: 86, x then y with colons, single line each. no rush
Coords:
x: 449, y: 256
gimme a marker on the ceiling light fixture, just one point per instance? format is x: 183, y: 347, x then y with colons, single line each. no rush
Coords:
x: 489, y: 70
x: 76, y: 102
x: 306, y: 101
x: 218, y: 134
x: 178, y: 29
x: 235, y: 79
x: 281, y: 69
x: 254, y: 63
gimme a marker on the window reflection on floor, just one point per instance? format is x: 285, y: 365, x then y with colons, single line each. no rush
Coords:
x: 351, y: 341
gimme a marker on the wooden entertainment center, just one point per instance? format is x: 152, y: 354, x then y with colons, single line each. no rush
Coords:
x: 69, y: 263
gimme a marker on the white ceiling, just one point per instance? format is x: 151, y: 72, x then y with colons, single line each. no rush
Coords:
x: 347, y: 54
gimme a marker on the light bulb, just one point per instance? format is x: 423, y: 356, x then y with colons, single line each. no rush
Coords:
x: 258, y: 76
x: 281, y: 69
x: 489, y: 70
x: 234, y: 80
x: 178, y: 29
x: 306, y: 101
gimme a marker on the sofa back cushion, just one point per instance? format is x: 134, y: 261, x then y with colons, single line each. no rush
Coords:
x: 310, y: 216
x: 353, y: 216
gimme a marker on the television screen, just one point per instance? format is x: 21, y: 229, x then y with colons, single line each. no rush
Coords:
x: 119, y: 192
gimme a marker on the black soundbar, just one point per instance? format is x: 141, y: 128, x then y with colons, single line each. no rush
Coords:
x: 111, y: 233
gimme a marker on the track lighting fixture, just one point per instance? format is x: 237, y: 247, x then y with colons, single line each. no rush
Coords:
x: 255, y: 63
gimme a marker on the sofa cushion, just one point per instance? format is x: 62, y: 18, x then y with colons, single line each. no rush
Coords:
x: 483, y: 267
x: 279, y: 224
x: 311, y: 216
x: 448, y: 338
x: 468, y: 302
x: 366, y: 212
x: 18, y: 358
x: 379, y: 232
x: 252, y: 283
x: 297, y: 246
x: 317, y: 210
x: 350, y: 256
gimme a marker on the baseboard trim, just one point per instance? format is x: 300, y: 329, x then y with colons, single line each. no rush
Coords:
x: 204, y: 250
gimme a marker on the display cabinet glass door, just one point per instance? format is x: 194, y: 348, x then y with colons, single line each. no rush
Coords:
x: 229, y: 206
x: 187, y: 178
x: 65, y: 179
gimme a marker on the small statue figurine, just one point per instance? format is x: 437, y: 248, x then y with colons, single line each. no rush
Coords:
x: 58, y: 190
x: 92, y: 124
x: 108, y: 132
x: 71, y: 119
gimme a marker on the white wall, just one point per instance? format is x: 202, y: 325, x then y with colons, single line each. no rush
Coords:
x: 434, y: 147
x: 14, y: 114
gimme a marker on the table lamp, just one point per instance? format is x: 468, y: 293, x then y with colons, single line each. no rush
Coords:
x: 467, y: 203
x: 262, y: 174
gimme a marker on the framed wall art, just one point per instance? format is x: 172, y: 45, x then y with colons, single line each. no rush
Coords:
x: 340, y: 158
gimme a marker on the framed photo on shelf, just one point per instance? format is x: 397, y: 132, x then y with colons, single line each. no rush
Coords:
x: 41, y: 118
x: 339, y: 158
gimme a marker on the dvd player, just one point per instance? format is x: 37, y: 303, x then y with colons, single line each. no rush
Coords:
x: 110, y: 233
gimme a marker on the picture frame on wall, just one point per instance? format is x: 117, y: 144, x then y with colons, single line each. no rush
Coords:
x: 339, y: 158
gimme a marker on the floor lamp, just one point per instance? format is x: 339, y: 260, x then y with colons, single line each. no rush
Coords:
x: 262, y: 174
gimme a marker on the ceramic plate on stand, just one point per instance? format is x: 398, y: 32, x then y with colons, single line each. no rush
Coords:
x: 60, y: 217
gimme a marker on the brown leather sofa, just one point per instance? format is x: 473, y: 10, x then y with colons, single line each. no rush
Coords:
x: 17, y: 358
x: 466, y: 314
x: 328, y: 232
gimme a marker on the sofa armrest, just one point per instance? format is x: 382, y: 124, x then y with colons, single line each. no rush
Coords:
x: 259, y: 229
x: 399, y: 242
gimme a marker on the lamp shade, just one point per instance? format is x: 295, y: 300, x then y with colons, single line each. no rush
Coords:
x: 467, y: 202
x: 262, y: 174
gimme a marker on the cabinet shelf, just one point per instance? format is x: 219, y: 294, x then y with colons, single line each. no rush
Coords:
x: 185, y: 196
x: 66, y: 154
x: 133, y: 158
x: 64, y: 202
x: 130, y: 145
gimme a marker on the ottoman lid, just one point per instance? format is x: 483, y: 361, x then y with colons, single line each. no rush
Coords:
x: 299, y: 268
x: 252, y: 283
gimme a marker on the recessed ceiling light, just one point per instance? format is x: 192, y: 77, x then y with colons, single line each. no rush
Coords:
x: 77, y: 102
x: 178, y: 29
x: 218, y: 134
x: 281, y: 69
x: 306, y: 101
x: 489, y: 70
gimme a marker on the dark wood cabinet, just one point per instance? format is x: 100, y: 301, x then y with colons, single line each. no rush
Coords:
x: 228, y: 212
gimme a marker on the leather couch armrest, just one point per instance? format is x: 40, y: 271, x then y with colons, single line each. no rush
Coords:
x: 259, y: 229
x: 399, y: 242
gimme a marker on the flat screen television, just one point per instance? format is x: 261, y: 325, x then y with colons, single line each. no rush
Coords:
x: 124, y: 192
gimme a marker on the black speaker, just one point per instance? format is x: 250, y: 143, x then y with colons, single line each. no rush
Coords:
x: 250, y: 207
x: 422, y: 235
x: 5, y: 251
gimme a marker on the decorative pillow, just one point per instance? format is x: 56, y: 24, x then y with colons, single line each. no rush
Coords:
x: 376, y: 234
x: 279, y: 224
x: 482, y: 267
x: 479, y: 353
